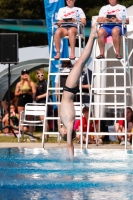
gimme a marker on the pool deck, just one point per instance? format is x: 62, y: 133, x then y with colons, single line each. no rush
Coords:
x: 62, y: 145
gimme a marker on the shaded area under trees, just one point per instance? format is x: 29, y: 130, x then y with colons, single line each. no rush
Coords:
x: 34, y: 9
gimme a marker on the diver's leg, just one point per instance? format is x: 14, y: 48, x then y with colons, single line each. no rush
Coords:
x: 75, y: 73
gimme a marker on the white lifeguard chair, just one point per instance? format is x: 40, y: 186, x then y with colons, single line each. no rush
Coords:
x: 106, y: 96
x: 81, y: 43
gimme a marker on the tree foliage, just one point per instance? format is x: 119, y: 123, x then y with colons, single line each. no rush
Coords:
x: 22, y: 9
x: 34, y: 9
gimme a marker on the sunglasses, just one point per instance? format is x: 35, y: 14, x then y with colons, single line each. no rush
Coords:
x: 40, y: 75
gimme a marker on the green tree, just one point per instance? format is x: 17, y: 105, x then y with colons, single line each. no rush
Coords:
x: 34, y: 9
x: 22, y: 9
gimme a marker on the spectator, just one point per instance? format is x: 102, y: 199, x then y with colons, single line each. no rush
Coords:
x: 25, y: 91
x: 120, y: 127
x: 68, y: 14
x: 92, y: 139
x: 14, y: 120
x: 85, y: 87
x: 111, y: 30
x: 41, y: 91
x: 60, y: 80
x: 13, y: 100
x: 5, y: 106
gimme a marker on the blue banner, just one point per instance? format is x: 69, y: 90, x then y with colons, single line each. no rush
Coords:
x: 51, y: 10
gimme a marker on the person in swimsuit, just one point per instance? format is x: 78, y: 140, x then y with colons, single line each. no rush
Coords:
x: 67, y: 112
x: 25, y: 91
x: 68, y: 14
x: 14, y: 120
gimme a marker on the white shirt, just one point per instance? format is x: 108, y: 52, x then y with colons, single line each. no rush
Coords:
x: 67, y: 12
x: 57, y: 77
x: 113, y: 10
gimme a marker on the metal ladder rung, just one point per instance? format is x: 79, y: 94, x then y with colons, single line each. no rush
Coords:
x: 112, y: 107
x: 107, y: 118
x: 109, y: 88
x: 108, y: 103
x: 58, y: 103
x: 104, y: 93
x: 108, y: 59
x: 52, y: 59
x: 105, y: 133
x: 108, y: 74
x: 57, y: 118
x: 59, y: 73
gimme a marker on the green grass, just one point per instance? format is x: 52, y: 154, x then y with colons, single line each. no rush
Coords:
x: 25, y: 139
x: 8, y: 139
x: 51, y: 139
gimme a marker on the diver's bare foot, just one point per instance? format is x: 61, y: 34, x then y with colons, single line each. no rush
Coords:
x: 94, y: 31
x: 71, y: 151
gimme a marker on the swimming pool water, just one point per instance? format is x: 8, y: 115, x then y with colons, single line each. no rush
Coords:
x: 35, y: 174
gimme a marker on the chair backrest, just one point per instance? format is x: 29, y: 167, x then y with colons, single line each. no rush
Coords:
x: 131, y: 19
x: 35, y: 109
x: 108, y: 39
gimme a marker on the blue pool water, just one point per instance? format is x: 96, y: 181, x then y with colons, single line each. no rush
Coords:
x: 34, y: 174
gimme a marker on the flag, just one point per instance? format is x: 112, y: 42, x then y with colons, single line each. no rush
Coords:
x: 51, y: 10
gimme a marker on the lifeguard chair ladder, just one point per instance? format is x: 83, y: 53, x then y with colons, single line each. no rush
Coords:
x: 81, y: 43
x: 100, y: 71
